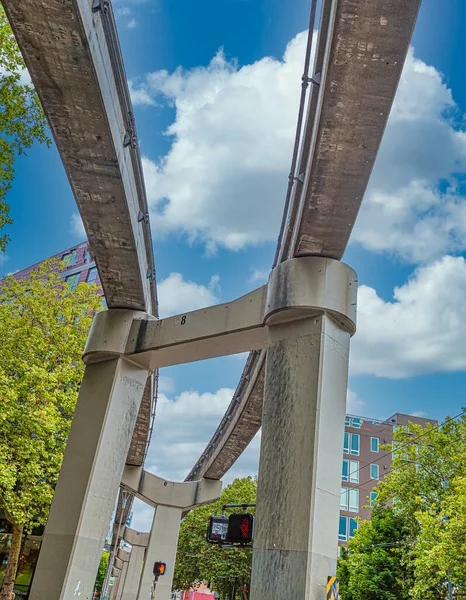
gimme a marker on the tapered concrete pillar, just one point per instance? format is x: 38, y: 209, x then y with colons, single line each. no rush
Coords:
x: 124, y: 556
x: 162, y: 547
x: 108, y: 404
x: 139, y: 542
x: 298, y: 496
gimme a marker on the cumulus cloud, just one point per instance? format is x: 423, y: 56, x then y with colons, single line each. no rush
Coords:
x: 77, y: 226
x: 176, y: 295
x: 414, y: 206
x: 183, y: 426
x: 259, y: 276
x: 354, y: 404
x: 223, y: 181
x: 421, y: 330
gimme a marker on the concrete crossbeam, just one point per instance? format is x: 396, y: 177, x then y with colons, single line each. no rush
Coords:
x: 157, y: 491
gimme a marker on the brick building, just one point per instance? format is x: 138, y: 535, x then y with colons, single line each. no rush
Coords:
x: 364, y: 465
x: 80, y: 266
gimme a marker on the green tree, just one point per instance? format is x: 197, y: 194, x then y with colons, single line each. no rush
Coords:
x: 22, y: 120
x: 199, y: 561
x: 43, y: 329
x: 374, y: 566
x: 427, y: 487
x: 99, y: 582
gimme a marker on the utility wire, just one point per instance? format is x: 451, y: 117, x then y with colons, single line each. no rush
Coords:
x: 398, y: 448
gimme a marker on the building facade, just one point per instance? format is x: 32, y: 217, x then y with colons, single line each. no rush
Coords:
x: 365, y: 463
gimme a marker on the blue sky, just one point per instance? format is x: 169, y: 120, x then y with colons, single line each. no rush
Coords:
x: 200, y: 70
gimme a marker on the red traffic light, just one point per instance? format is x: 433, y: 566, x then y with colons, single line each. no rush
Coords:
x: 159, y: 569
x: 240, y: 528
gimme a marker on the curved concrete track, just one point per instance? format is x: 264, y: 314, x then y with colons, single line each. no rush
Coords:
x: 361, y: 49
x: 73, y: 55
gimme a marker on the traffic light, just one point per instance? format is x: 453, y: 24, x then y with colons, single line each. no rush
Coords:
x: 159, y: 569
x: 217, y: 530
x: 240, y: 528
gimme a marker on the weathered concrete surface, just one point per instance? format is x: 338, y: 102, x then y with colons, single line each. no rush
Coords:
x: 89, y: 479
x: 298, y: 496
x: 72, y: 67
x: 162, y: 548
x: 360, y: 74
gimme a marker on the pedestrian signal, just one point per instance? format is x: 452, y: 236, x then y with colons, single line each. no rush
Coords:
x: 240, y: 528
x: 159, y: 569
x: 217, y: 530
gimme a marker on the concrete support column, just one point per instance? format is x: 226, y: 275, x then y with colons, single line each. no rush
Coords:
x: 162, y: 547
x: 124, y: 556
x: 298, y: 497
x: 100, y: 435
x: 131, y: 585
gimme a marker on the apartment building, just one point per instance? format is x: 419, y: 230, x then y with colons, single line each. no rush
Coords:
x: 364, y: 465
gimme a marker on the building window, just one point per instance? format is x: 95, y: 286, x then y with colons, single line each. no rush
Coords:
x: 357, y: 422
x: 73, y: 281
x: 372, y: 498
x: 92, y: 275
x: 342, y: 535
x: 355, y: 444
x: 374, y: 471
x: 346, y: 444
x: 347, y: 421
x: 354, y: 500
x: 344, y: 499
x: 69, y: 258
x: 353, y: 525
x: 104, y: 302
x: 354, y: 471
x: 345, y: 470
x: 374, y: 444
x: 87, y: 255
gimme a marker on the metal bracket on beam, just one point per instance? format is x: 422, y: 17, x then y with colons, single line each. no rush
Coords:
x: 315, y: 80
x: 100, y: 6
x: 142, y: 216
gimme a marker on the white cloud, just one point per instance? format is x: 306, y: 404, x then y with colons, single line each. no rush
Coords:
x: 177, y: 295
x: 354, y: 405
x: 183, y: 426
x: 166, y: 384
x: 419, y: 413
x: 414, y: 205
x: 259, y: 276
x: 77, y: 226
x: 224, y: 180
x: 141, y: 95
x: 420, y: 331
x: 131, y: 24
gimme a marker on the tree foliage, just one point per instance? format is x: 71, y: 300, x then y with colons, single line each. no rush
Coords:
x: 22, y: 120
x: 43, y: 329
x: 198, y: 561
x: 426, y: 492
x: 99, y: 582
x: 374, y: 568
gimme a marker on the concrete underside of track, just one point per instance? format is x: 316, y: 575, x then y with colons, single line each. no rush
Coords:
x: 77, y: 71
x: 362, y: 63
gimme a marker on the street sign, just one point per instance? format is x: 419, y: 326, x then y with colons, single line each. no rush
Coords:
x: 217, y: 530
x: 111, y: 581
x: 333, y: 587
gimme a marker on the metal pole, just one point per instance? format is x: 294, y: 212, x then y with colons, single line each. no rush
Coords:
x: 450, y: 588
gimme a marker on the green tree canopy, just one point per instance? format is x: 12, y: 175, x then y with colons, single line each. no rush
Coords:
x: 43, y: 329
x: 22, y: 120
x: 374, y: 566
x: 198, y: 561
x: 426, y: 494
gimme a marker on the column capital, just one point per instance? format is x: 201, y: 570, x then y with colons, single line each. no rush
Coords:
x: 312, y: 284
